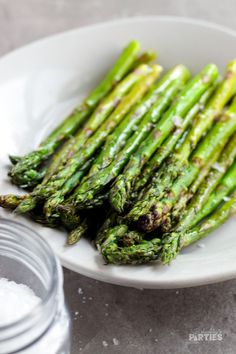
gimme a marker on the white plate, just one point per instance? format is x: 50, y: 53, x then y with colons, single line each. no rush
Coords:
x: 39, y: 85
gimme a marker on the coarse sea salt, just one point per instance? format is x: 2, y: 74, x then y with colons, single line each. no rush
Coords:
x: 16, y: 301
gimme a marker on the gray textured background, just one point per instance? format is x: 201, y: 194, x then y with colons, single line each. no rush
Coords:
x: 108, y: 318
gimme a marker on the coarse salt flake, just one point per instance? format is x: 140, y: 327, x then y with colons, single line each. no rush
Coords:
x: 115, y: 341
x: 218, y: 167
x: 200, y: 245
x: 104, y: 343
x: 80, y: 291
x: 226, y: 199
x: 178, y: 122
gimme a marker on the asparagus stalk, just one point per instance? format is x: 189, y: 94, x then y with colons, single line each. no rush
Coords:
x: 190, y: 216
x: 223, y: 189
x: 29, y: 199
x: 65, y: 189
x: 109, y: 222
x: 179, y: 160
x: 11, y: 201
x: 143, y: 252
x: 226, y: 90
x: 75, y: 235
x: 91, y: 145
x: 213, y: 142
x: 117, y: 139
x: 175, y: 241
x: 14, y: 159
x: 164, y: 90
x: 171, y: 142
x: 93, y: 185
x: 33, y: 160
x: 123, y: 185
x: 145, y: 58
x: 180, y: 206
x: 103, y: 110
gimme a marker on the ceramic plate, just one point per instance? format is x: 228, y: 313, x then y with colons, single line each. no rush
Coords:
x: 42, y: 82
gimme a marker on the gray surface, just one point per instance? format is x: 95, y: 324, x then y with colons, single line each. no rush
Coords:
x: 144, y: 322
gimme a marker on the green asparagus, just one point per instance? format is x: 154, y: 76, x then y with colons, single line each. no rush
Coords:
x: 190, y: 216
x: 93, y: 185
x: 179, y: 160
x: 103, y: 110
x: 171, y: 142
x: 143, y: 252
x: 175, y: 241
x: 122, y: 188
x: 91, y: 145
x: 20, y: 173
x: 75, y: 235
x: 210, y: 145
x: 165, y: 89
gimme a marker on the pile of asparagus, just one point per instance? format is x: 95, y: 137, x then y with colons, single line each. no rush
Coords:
x: 144, y: 166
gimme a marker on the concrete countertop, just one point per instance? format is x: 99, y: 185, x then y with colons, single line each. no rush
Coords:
x: 109, y: 318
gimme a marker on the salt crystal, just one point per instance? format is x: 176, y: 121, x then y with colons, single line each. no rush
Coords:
x: 115, y: 341
x: 218, y: 167
x: 16, y: 301
x: 106, y: 305
x: 177, y: 292
x: 106, y: 314
x: 76, y: 313
x: 226, y: 199
x: 178, y: 122
x: 80, y: 291
x: 200, y: 245
x: 150, y: 330
x: 90, y: 298
x: 156, y: 340
x: 104, y: 343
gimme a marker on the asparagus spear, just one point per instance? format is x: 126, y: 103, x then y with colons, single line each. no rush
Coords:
x: 179, y: 160
x: 11, y: 201
x: 175, y: 241
x: 110, y: 221
x: 190, y: 216
x: 75, y: 235
x: 122, y: 132
x: 226, y: 90
x: 171, y: 142
x: 14, y: 159
x: 123, y: 185
x: 33, y: 160
x: 143, y: 252
x: 103, y: 110
x: 145, y: 58
x: 164, y: 90
x: 181, y: 204
x: 213, y: 142
x: 223, y: 189
x: 91, y: 145
x: 91, y: 186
